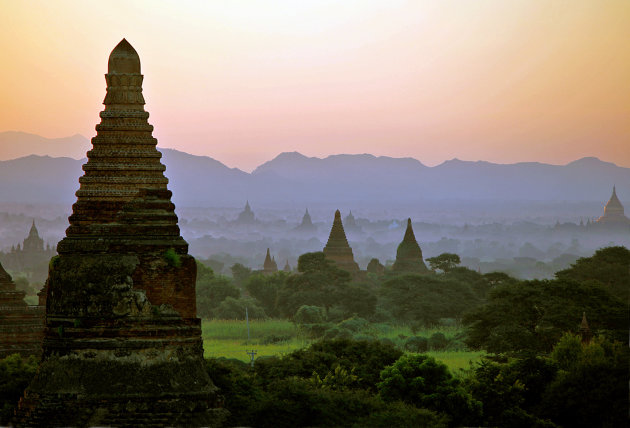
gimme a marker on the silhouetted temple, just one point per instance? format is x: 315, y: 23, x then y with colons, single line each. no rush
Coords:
x: 350, y: 222
x: 123, y: 344
x: 613, y: 212
x: 287, y: 267
x: 337, y: 248
x: 307, y: 224
x: 246, y: 216
x: 269, y: 266
x: 409, y: 254
x: 31, y: 257
x: 21, y: 325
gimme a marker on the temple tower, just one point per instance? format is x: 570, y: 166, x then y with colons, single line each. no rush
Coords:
x: 247, y: 215
x: 337, y: 248
x: 613, y: 212
x: 33, y: 243
x: 307, y: 224
x: 21, y: 325
x: 123, y: 344
x: 409, y: 254
x: 269, y: 266
x: 585, y: 330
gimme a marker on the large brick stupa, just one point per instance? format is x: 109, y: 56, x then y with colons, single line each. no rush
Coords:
x: 123, y: 344
x: 409, y: 254
x: 337, y: 248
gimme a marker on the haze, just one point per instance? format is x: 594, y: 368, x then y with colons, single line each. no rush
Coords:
x: 243, y: 81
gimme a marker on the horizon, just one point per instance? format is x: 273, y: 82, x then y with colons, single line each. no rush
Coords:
x: 322, y: 157
x: 239, y: 82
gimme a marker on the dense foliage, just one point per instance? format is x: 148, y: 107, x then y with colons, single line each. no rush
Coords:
x: 16, y: 373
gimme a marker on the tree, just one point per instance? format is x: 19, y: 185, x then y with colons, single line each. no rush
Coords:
x: 591, y: 387
x: 444, y: 262
x: 265, y: 288
x: 427, y: 298
x: 16, y: 372
x: 421, y: 380
x: 318, y: 283
x: 608, y: 266
x: 212, y: 290
x: 240, y: 273
x: 234, y: 309
x: 533, y: 315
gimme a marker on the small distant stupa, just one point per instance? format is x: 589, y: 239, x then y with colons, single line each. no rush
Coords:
x: 269, y: 266
x: 613, y: 212
x: 585, y: 330
x: 246, y: 216
x: 307, y: 224
x: 21, y: 325
x: 351, y: 223
x: 287, y: 266
x: 409, y: 254
x: 337, y: 248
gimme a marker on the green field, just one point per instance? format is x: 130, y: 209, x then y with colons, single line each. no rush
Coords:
x: 228, y: 338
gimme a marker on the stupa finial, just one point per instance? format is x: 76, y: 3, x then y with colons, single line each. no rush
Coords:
x: 124, y: 59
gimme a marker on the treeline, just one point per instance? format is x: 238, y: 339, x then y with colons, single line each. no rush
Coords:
x: 543, y: 369
x: 501, y: 313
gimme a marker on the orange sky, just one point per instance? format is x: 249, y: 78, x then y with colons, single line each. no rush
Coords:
x: 241, y: 81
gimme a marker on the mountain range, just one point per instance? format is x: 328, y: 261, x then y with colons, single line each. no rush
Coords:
x: 295, y: 180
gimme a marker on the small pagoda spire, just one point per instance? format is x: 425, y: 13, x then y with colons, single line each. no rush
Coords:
x: 269, y: 266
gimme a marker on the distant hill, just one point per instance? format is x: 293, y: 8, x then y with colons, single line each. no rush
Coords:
x: 15, y: 145
x: 294, y: 180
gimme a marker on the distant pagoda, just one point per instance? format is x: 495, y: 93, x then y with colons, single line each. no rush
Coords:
x: 307, y: 223
x: 351, y: 223
x: 123, y: 343
x: 269, y: 266
x: 33, y: 242
x: 21, y: 325
x: 287, y: 267
x: 409, y: 254
x: 337, y: 248
x: 613, y: 212
x: 246, y: 216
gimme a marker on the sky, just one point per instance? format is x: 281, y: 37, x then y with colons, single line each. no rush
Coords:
x: 242, y: 81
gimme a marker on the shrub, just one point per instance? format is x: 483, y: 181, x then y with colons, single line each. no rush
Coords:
x: 417, y: 344
x: 234, y: 309
x: 438, y: 341
x: 16, y: 372
x: 309, y: 315
x: 172, y: 258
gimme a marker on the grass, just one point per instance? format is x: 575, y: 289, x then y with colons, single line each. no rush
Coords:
x: 228, y: 338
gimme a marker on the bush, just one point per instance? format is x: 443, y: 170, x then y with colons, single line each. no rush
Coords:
x: 309, y: 315
x: 425, y: 382
x: 337, y: 333
x: 417, y: 344
x: 16, y: 372
x: 438, y: 341
x: 234, y: 309
x: 172, y: 258
x: 354, y: 324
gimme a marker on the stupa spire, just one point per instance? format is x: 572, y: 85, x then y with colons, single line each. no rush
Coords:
x: 270, y: 266
x: 409, y: 254
x: 337, y: 248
